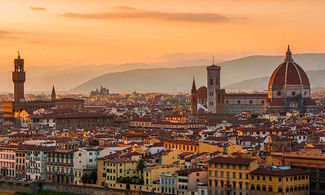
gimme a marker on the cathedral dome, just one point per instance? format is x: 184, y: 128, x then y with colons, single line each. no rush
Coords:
x: 202, y: 93
x: 288, y: 73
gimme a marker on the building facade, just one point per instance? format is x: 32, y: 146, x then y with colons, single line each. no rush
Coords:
x: 227, y: 174
x: 60, y: 166
x: 278, y: 180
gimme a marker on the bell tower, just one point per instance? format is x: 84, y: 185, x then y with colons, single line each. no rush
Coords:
x: 193, y: 99
x: 18, y: 78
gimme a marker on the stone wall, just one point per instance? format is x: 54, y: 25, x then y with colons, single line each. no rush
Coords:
x: 14, y: 187
x: 86, y: 190
x: 74, y: 189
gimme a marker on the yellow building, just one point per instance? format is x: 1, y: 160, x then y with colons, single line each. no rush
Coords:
x: 170, y: 157
x: 275, y: 180
x: 182, y: 145
x: 228, y: 148
x: 8, y: 109
x: 111, y: 169
x: 230, y: 174
x: 152, y: 174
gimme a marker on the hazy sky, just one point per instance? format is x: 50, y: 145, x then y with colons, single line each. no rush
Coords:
x: 60, y: 32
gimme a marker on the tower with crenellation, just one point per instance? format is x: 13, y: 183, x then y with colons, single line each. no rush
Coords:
x: 18, y: 78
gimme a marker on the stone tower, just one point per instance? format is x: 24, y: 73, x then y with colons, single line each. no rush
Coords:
x: 53, y: 95
x: 18, y: 78
x: 193, y: 99
x: 213, y: 84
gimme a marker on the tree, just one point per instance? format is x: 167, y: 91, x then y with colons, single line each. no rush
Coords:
x: 93, y: 177
x: 140, y: 167
x: 85, y: 178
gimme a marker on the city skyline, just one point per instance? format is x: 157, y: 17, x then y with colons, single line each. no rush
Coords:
x: 51, y: 33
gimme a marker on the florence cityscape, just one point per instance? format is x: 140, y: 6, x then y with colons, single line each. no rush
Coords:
x: 187, y: 97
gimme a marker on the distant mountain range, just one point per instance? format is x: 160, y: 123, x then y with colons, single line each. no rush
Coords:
x: 251, y: 72
x: 163, y: 76
x: 316, y: 79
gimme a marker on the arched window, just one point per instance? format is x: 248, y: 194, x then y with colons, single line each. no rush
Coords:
x: 202, y: 192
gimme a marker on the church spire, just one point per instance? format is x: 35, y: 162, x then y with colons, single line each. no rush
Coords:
x: 288, y: 55
x: 53, y: 96
x: 193, y: 86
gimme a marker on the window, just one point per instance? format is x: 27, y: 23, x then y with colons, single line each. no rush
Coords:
x: 264, y: 188
x: 234, y: 184
x: 270, y: 178
x: 211, y: 82
x: 234, y: 175
x: 216, y: 173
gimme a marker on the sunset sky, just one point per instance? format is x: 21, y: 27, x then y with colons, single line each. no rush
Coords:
x: 81, y: 32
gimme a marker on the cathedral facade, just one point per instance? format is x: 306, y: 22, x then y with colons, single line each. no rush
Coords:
x: 288, y: 91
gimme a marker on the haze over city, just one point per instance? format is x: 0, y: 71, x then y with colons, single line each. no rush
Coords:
x: 91, y: 38
x: 172, y: 97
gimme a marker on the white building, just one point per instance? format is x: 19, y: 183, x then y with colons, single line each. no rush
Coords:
x: 85, y: 160
x: 36, y: 161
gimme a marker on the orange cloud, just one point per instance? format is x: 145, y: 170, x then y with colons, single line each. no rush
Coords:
x: 37, y: 8
x: 122, y: 12
x: 6, y: 34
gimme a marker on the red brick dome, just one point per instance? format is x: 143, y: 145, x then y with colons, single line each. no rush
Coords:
x: 288, y: 73
x: 202, y: 93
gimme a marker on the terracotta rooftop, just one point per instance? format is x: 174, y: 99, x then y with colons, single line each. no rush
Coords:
x: 278, y: 172
x: 230, y: 160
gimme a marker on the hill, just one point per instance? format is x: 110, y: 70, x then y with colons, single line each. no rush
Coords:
x: 316, y: 79
x: 245, y: 73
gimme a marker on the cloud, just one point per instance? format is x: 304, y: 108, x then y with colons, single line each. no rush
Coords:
x: 123, y: 12
x: 37, y: 8
x: 7, y: 34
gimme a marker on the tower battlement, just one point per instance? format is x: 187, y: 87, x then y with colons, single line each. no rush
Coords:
x: 18, y: 78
